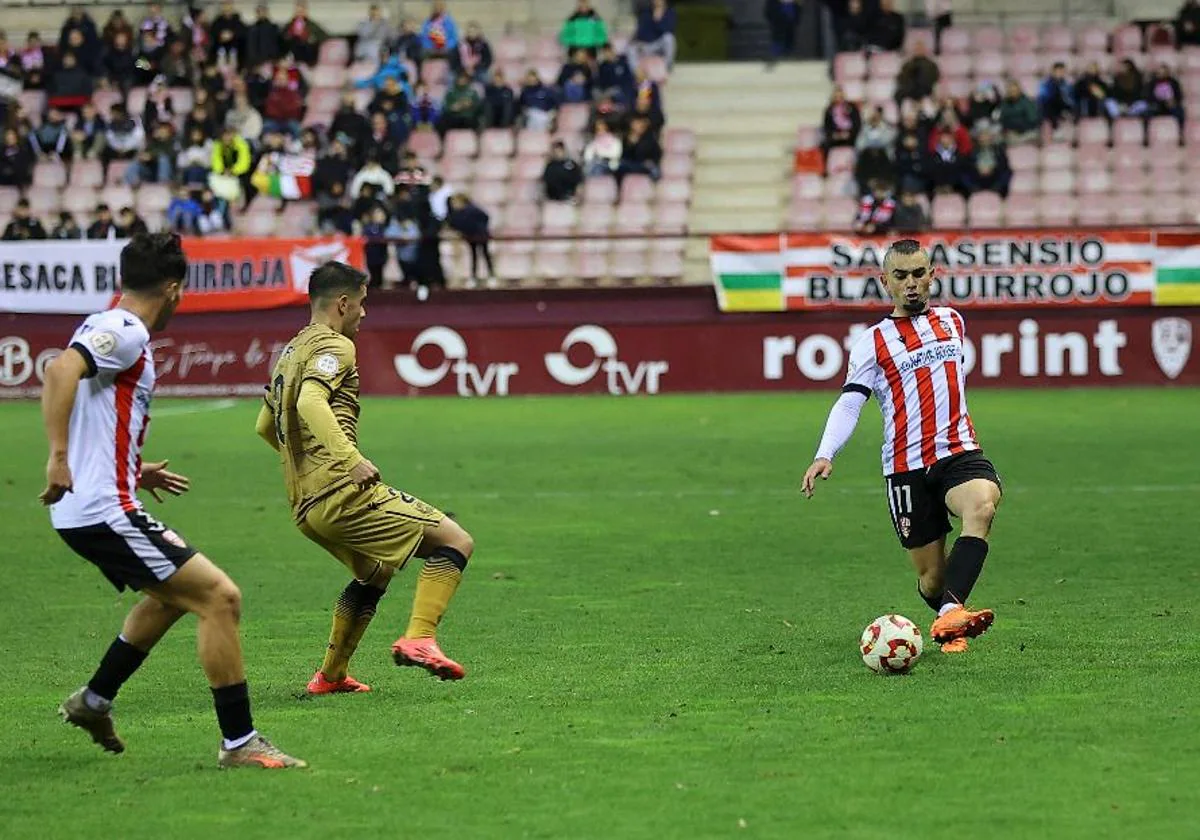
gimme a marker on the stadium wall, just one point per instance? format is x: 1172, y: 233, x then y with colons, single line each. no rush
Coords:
x: 644, y: 341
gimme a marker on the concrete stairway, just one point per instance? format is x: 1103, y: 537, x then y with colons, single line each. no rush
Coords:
x: 745, y: 118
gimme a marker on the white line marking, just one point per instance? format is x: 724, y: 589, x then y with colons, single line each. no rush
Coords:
x: 195, y: 408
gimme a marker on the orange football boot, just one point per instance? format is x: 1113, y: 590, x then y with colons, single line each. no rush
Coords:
x: 425, y: 653
x: 958, y: 645
x: 961, y: 622
x: 346, y: 685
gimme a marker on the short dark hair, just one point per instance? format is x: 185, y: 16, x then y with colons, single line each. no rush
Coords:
x: 151, y: 259
x: 902, y: 248
x: 334, y: 279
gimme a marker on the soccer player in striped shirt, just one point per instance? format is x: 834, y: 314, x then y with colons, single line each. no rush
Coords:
x: 96, y: 408
x: 912, y: 361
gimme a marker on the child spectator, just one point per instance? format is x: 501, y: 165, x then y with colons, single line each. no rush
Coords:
x: 538, y: 102
x: 33, y: 62
x: 23, y: 226
x: 987, y: 168
x: 195, y: 160
x: 474, y: 55
x: 910, y: 215
x: 562, y: 175
x: 16, y: 161
x: 159, y: 107
x: 302, y: 36
x: 80, y: 21
x: 439, y: 34
x: 471, y: 223
x: 213, y: 216
x: 1056, y: 96
x: 584, y: 29
x: 1164, y: 95
x: 351, y: 128
x: 602, y: 154
x: 842, y: 122
x: 149, y: 56
x: 462, y: 107
x: 425, y: 111
x: 66, y: 228
x: 372, y: 35
x: 176, y: 65
x: 408, y: 242
x: 182, y: 212
x: 440, y: 194
x: 655, y: 33
x: 103, y: 227
x: 365, y: 204
x: 875, y: 210
x: 499, y: 102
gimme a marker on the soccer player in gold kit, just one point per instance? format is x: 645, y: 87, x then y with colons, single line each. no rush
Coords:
x: 310, y: 417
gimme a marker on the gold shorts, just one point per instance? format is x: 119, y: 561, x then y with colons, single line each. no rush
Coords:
x: 366, y: 528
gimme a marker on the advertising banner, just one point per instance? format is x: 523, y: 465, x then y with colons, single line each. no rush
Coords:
x: 1004, y: 268
x: 224, y: 275
x: 1051, y: 347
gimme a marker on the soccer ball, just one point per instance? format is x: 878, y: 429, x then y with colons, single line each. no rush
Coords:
x: 891, y: 644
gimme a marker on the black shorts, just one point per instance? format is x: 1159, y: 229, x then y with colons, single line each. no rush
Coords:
x: 136, y: 552
x: 917, y: 498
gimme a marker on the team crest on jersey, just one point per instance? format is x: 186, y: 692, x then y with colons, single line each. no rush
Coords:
x: 327, y: 364
x: 173, y: 538
x: 103, y: 343
x: 905, y: 526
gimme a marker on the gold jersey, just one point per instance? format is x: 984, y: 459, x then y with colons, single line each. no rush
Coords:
x: 325, y: 356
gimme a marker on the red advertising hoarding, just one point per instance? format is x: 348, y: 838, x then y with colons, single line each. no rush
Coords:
x: 203, y: 355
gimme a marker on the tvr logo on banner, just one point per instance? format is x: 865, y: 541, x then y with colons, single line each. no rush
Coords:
x: 1171, y: 341
x: 645, y: 377
x: 470, y: 379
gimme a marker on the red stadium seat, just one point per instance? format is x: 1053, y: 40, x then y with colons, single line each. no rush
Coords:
x: 1058, y: 182
x: 1024, y: 65
x: 841, y: 185
x: 1092, y: 158
x: 840, y: 159
x: 677, y: 166
x: 987, y: 39
x: 573, y: 117
x: 9, y: 196
x: 435, y: 71
x: 558, y: 218
x: 956, y: 41
x: 545, y: 49
x: 590, y: 265
x: 988, y: 65
x: 1021, y: 211
x: 806, y: 215
x: 913, y: 36
x: 628, y: 265
x: 551, y: 264
x: 1091, y: 39
x: 514, y: 267
x: 153, y: 198
x: 79, y: 199
x: 1095, y: 211
x: 1131, y: 209
x: 509, y: 48
x: 456, y: 170
x: 117, y: 197
x: 1133, y: 181
x: 493, y: 168
x: 985, y: 210
x: 839, y: 213
x: 855, y: 90
x: 886, y: 65
x: 637, y: 188
x: 497, y: 142
x: 461, y: 142
x: 1168, y: 210
x: 50, y: 174
x: 1055, y: 158
x: 1128, y: 132
x: 595, y: 219
x: 424, y: 144
x: 1163, y: 131
x: 327, y: 77
x: 955, y: 65
x: 679, y: 141
x: 489, y: 193
x: 1025, y: 183
x: 1127, y: 40
x: 334, y: 51
x: 600, y: 190
x: 667, y: 267
x: 633, y: 219
x: 670, y: 218
x: 949, y: 211
x: 1057, y: 210
x: 675, y: 191
x: 879, y: 91
x: 849, y: 66
x: 533, y: 143
x: 1058, y: 39
x: 1092, y: 132
x: 1022, y: 38
x: 1023, y: 158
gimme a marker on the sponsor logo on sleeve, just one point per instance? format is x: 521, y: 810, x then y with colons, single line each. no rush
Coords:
x: 103, y: 343
x: 326, y: 364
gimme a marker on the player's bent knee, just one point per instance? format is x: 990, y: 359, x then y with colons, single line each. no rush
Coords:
x: 982, y: 514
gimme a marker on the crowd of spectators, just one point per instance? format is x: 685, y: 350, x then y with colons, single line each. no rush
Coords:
x: 938, y: 143
x: 240, y: 136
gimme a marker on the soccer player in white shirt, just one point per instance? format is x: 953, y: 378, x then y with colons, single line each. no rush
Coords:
x: 96, y: 409
x: 912, y: 362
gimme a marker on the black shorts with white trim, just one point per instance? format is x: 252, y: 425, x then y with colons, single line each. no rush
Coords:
x: 134, y: 552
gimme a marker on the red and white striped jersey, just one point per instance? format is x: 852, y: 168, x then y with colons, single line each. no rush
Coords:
x: 109, y: 420
x: 914, y: 367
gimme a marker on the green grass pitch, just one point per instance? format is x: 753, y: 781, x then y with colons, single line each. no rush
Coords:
x: 660, y: 635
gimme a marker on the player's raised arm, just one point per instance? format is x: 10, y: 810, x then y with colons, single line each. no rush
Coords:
x: 58, y: 399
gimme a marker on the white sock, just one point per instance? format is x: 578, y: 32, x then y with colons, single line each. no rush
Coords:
x: 947, y: 607
x: 95, y: 702
x: 238, y: 743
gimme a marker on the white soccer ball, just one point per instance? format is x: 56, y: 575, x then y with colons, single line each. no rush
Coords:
x: 891, y: 644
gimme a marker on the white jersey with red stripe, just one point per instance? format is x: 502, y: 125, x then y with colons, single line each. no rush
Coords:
x: 914, y: 367
x: 109, y: 420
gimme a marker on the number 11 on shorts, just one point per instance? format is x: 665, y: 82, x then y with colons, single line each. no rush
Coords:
x: 901, y: 498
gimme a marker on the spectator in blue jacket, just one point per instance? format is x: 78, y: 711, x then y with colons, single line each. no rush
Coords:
x: 439, y: 35
x: 471, y: 223
x: 393, y: 68
x: 614, y: 76
x: 538, y: 102
x: 425, y: 110
x: 1056, y: 96
x: 655, y: 34
x: 183, y: 211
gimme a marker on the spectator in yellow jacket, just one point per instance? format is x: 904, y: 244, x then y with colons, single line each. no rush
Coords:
x: 231, y: 161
